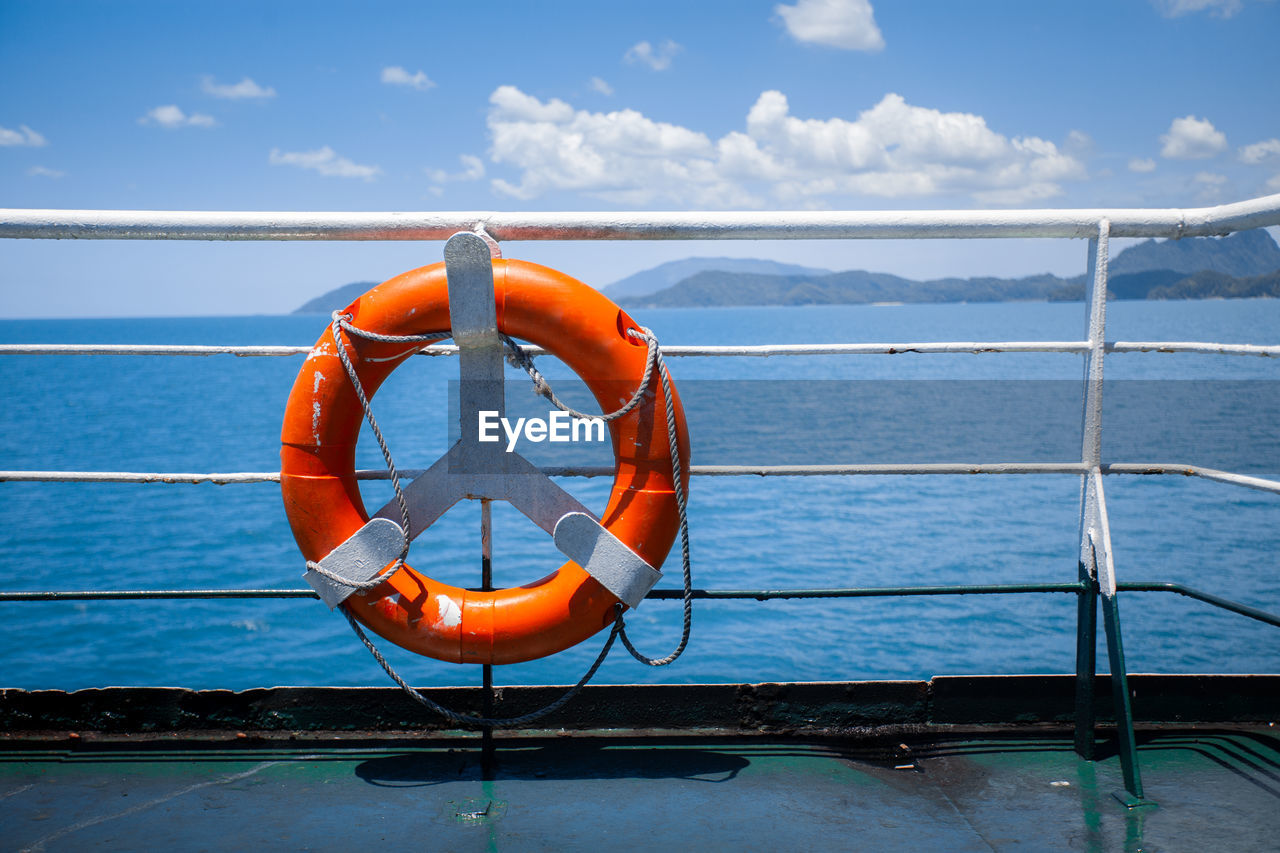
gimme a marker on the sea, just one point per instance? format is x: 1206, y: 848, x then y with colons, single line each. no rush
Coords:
x: 222, y: 413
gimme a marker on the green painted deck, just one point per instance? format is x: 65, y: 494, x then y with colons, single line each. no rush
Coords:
x: 1213, y: 790
x: 974, y: 763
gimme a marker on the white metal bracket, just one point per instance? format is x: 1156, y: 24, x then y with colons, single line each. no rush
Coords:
x: 477, y: 470
x: 360, y: 558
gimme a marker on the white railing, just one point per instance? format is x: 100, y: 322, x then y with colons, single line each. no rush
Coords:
x: 686, y: 351
x: 1098, y: 225
x: 683, y: 225
x: 1097, y: 570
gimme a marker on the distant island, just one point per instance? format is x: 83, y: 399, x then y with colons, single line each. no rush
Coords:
x: 1242, y: 265
x: 339, y: 297
x: 1246, y: 264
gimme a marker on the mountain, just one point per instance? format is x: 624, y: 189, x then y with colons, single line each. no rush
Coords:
x: 715, y: 287
x: 1208, y: 284
x: 1243, y: 254
x: 665, y: 275
x: 339, y: 297
x: 1149, y: 270
x: 1136, y: 285
x: 1241, y: 265
x: 648, y: 281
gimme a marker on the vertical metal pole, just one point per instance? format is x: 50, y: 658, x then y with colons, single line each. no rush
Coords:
x: 487, y: 757
x: 1091, y: 455
x: 1086, y: 663
x: 1101, y: 539
x: 1096, y: 561
x: 473, y: 320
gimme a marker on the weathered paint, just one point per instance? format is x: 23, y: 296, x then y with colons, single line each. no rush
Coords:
x: 449, y: 612
x: 814, y: 708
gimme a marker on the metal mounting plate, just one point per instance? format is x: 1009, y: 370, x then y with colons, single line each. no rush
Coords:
x: 605, y: 557
x: 477, y: 470
x: 361, y: 557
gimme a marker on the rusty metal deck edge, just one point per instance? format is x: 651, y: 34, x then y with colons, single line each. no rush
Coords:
x: 797, y: 708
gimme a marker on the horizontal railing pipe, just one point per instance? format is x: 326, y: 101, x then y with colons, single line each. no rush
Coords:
x: 1197, y: 347
x: 150, y: 349
x: 608, y: 225
x: 656, y: 594
x: 152, y: 594
x: 563, y: 471
x: 867, y: 469
x: 1260, y: 484
x: 1207, y: 597
x: 693, y: 350
x: 677, y: 594
x: 866, y: 592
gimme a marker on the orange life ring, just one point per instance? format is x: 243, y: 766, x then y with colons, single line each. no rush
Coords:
x: 322, y: 422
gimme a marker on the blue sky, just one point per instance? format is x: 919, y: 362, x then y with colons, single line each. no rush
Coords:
x: 607, y: 106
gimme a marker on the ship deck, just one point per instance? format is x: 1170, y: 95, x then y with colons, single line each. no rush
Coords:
x: 1049, y: 762
x: 973, y: 790
x: 870, y: 766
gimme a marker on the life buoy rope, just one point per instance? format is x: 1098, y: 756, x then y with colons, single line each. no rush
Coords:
x: 342, y: 323
x: 595, y: 339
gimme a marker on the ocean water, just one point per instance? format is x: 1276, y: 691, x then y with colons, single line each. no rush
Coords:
x: 223, y: 413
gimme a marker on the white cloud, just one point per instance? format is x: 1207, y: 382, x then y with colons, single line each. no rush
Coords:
x: 1260, y: 151
x: 659, y: 59
x: 22, y: 136
x: 325, y: 161
x: 619, y: 154
x: 847, y: 24
x: 1178, y: 8
x: 1142, y: 164
x: 598, y: 85
x: 472, y: 170
x: 1211, y: 185
x: 1017, y: 195
x: 1191, y: 138
x: 246, y: 88
x: 396, y: 76
x: 895, y: 149
x: 1274, y: 184
x: 1078, y: 142
x: 171, y: 117
x: 45, y: 172
x: 892, y: 150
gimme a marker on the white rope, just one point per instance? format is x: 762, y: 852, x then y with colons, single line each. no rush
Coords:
x: 681, y: 509
x: 519, y: 358
x: 341, y: 322
x: 469, y: 719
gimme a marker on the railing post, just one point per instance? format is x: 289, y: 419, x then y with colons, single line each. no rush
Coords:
x: 1091, y: 456
x: 1099, y: 534
x: 488, y: 754
x: 1086, y: 660
x: 1096, y: 563
x: 1100, y: 542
